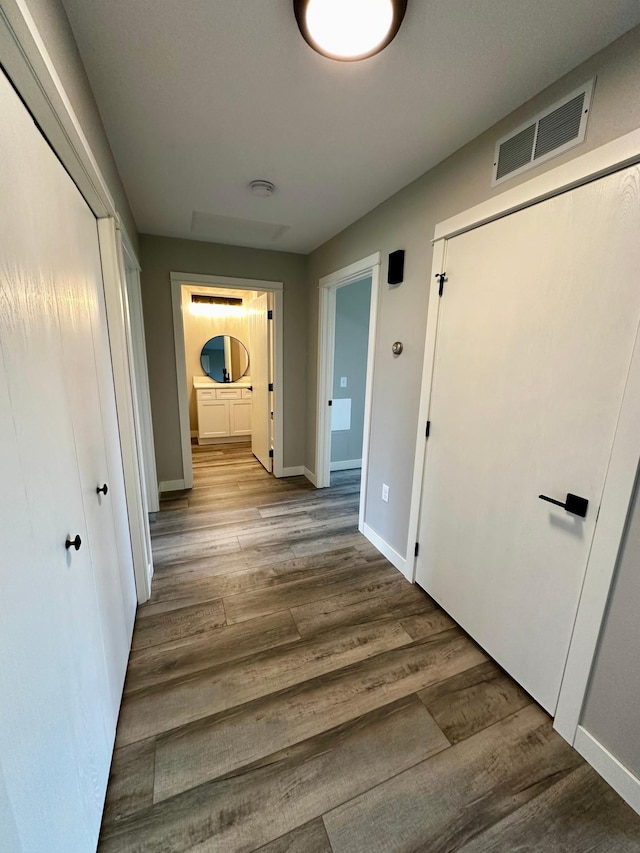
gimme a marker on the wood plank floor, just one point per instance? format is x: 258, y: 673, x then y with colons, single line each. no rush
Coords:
x: 288, y: 690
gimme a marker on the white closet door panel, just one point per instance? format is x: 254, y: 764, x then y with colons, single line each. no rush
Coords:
x: 55, y: 738
x: 77, y: 293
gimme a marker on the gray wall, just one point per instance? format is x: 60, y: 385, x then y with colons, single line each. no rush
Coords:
x: 407, y: 221
x: 350, y: 360
x: 53, y: 25
x: 612, y: 709
x: 159, y: 257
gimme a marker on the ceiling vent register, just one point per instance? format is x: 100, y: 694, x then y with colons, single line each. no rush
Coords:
x: 547, y: 135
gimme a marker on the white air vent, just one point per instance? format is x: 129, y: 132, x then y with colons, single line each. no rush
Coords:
x: 548, y: 134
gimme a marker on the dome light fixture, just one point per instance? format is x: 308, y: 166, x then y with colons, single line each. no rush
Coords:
x: 349, y: 30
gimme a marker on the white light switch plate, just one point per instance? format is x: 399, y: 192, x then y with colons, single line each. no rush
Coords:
x: 343, y: 381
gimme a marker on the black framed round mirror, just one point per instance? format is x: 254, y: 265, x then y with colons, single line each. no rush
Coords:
x: 224, y: 359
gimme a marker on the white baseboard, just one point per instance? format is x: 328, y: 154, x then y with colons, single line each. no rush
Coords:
x: 310, y: 477
x: 297, y: 471
x: 386, y: 550
x: 607, y: 765
x: 171, y: 486
x: 346, y: 465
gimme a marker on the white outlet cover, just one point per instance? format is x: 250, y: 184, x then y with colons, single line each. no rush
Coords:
x: 385, y: 493
x: 343, y: 381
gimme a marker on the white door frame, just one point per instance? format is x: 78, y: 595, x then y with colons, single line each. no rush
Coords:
x: 625, y: 455
x: 141, y: 375
x: 118, y: 322
x: 275, y: 287
x: 328, y: 287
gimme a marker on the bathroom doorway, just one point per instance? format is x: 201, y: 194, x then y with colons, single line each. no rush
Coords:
x: 229, y: 366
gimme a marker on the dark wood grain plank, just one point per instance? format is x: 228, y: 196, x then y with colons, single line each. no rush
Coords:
x: 310, y: 838
x: 443, y: 803
x: 186, y: 588
x: 473, y: 700
x: 265, y: 801
x: 130, y: 780
x: 192, y: 755
x: 175, y: 703
x: 178, y: 658
x: 579, y: 813
x: 363, y: 578
x: 366, y: 604
x: 425, y: 624
x: 187, y: 622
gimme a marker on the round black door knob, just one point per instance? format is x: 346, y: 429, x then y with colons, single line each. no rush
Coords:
x: 102, y: 489
x: 73, y: 543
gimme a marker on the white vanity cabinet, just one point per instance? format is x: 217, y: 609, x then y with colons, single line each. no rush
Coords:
x: 223, y: 412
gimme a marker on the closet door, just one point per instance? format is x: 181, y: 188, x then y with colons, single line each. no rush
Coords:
x: 78, y: 295
x: 58, y: 636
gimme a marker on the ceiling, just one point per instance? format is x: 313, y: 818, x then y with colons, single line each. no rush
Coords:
x: 199, y: 97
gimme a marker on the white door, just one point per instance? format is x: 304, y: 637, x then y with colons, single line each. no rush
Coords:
x: 80, y: 304
x: 58, y: 677
x: 260, y: 370
x: 536, y: 328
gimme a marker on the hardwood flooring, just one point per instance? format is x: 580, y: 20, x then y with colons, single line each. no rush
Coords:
x: 289, y: 692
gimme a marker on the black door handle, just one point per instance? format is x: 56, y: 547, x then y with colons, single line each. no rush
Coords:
x: 73, y: 543
x: 102, y: 490
x: 573, y: 503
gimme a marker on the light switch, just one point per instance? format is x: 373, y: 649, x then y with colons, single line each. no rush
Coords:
x: 343, y: 381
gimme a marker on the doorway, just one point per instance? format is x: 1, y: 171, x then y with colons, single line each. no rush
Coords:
x: 347, y: 316
x: 243, y: 404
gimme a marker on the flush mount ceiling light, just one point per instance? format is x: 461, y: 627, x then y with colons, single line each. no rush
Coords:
x: 349, y: 29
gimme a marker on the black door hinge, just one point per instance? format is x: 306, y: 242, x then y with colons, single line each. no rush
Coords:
x: 271, y: 453
x: 269, y: 314
x: 271, y: 386
x: 417, y: 548
x: 428, y: 430
x: 442, y: 277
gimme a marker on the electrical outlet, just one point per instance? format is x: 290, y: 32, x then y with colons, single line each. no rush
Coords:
x: 385, y: 493
x: 343, y: 381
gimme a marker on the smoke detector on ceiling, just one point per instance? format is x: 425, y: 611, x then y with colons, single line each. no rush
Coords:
x: 262, y: 189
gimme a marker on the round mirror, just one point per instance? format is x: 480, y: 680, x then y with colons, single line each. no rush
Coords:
x: 224, y: 359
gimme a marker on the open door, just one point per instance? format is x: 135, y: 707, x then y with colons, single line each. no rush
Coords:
x: 260, y: 369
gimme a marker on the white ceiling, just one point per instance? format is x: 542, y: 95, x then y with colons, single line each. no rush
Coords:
x: 199, y: 97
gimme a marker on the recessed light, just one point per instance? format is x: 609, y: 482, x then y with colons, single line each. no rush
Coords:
x: 349, y: 29
x: 262, y: 189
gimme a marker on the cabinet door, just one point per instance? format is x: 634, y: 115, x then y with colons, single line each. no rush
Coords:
x: 56, y: 717
x: 240, y: 417
x: 213, y: 418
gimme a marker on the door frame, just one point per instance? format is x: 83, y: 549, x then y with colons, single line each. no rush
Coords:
x: 328, y: 287
x: 625, y: 454
x: 141, y: 374
x: 276, y: 288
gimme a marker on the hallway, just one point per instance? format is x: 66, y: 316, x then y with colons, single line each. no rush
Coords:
x: 288, y: 690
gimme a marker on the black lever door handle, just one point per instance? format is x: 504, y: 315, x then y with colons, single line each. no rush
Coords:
x: 73, y: 543
x: 102, y: 490
x: 573, y: 503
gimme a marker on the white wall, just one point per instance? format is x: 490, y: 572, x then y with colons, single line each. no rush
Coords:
x: 350, y: 360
